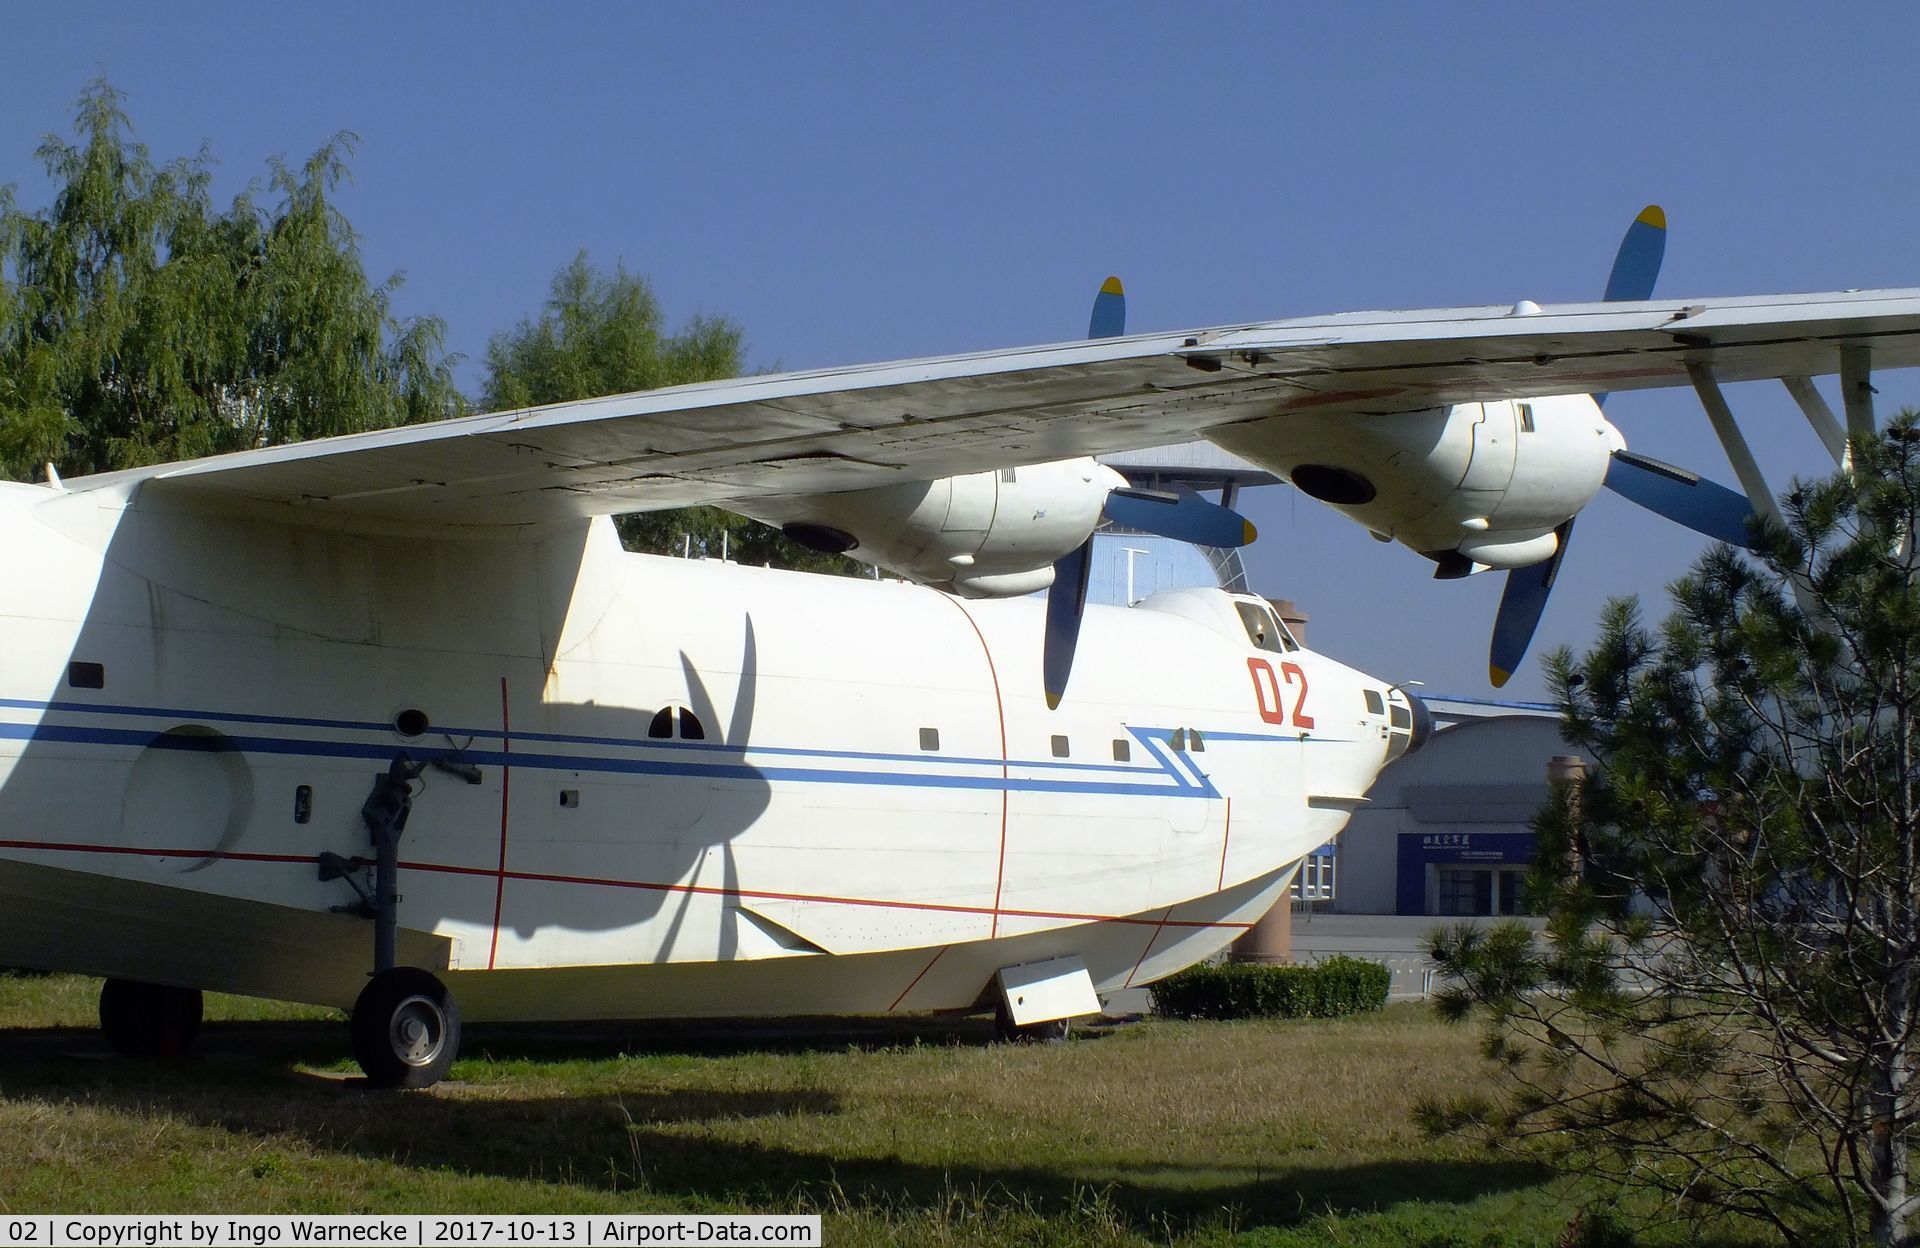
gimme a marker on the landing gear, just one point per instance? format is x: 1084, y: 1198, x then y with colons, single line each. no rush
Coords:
x: 405, y: 1025
x: 406, y: 1029
x: 149, y: 1020
x: 1009, y: 1032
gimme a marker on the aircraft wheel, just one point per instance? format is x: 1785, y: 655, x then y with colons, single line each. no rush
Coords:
x: 1009, y: 1032
x: 149, y: 1020
x: 406, y: 1029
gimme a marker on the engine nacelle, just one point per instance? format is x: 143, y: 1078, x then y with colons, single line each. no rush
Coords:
x: 983, y: 535
x: 1472, y: 486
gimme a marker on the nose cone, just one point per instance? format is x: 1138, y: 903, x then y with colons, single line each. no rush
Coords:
x: 1422, y: 720
x: 1610, y: 433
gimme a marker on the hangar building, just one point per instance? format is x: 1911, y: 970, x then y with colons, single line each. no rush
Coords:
x: 1446, y: 830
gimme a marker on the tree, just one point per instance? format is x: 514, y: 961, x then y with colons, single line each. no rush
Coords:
x: 138, y: 324
x: 606, y: 334
x: 1723, y: 1011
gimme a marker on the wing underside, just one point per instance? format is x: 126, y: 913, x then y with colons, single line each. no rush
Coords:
x: 853, y: 428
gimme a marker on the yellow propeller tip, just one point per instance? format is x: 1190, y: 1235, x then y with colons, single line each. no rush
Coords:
x: 1053, y: 700
x: 1498, y: 676
x: 1251, y: 532
x: 1653, y: 215
x: 1110, y: 287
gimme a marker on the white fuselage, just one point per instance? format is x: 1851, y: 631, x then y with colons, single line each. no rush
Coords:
x: 702, y: 788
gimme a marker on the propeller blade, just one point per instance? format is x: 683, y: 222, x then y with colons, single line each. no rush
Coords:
x: 1636, y: 265
x: 1066, y: 603
x: 1521, y: 603
x: 1685, y: 498
x: 1182, y: 515
x: 1109, y: 311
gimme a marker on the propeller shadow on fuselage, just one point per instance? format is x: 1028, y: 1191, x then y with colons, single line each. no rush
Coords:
x: 201, y: 704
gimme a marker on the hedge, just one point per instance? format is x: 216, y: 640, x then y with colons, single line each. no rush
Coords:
x: 1339, y: 985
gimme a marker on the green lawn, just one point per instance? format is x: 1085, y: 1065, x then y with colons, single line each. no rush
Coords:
x: 1267, y: 1133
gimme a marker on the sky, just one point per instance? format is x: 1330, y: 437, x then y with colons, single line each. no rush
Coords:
x: 862, y: 182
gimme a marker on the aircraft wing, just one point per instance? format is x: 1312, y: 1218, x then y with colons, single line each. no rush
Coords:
x: 852, y: 428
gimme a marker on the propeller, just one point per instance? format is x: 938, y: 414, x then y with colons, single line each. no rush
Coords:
x: 1109, y: 311
x: 1684, y: 497
x: 1521, y: 603
x: 1179, y: 514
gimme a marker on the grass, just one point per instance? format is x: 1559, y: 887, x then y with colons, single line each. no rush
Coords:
x: 1274, y: 1133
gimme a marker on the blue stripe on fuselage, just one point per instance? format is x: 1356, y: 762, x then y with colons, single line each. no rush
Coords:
x: 690, y: 763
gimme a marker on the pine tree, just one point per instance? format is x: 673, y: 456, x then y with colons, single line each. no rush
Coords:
x: 1723, y: 1011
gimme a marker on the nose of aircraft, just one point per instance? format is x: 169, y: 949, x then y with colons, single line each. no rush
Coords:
x: 1422, y: 720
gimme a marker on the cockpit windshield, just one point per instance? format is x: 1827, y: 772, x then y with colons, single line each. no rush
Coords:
x: 1262, y: 629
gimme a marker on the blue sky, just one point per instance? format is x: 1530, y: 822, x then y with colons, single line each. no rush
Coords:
x: 863, y: 182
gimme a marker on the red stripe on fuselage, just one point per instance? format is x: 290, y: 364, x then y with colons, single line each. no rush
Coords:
x: 917, y: 978
x: 506, y: 777
x: 308, y: 860
x: 1000, y: 708
x: 1151, y: 940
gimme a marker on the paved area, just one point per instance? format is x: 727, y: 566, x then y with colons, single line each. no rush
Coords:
x: 1393, y: 939
x: 1396, y: 940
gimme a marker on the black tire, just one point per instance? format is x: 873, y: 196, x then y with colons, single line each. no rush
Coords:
x: 406, y: 1029
x: 149, y: 1020
x: 1008, y: 1032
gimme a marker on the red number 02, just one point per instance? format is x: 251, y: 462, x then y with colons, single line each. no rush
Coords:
x: 1266, y: 692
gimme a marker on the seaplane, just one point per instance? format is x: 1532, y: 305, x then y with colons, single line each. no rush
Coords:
x: 391, y: 722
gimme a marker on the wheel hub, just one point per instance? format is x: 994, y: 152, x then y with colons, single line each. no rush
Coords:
x: 418, y: 1030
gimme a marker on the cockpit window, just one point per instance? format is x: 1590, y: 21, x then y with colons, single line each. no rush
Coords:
x: 1376, y: 705
x: 1262, y: 630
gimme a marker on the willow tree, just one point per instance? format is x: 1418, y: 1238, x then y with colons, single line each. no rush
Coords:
x: 606, y: 333
x: 138, y: 323
x: 1725, y: 1008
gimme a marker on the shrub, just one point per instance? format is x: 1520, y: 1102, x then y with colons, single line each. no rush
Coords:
x: 1340, y: 985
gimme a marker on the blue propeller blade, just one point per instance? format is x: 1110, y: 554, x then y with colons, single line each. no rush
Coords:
x: 1109, y: 311
x: 1183, y: 516
x: 1521, y: 603
x: 1685, y: 498
x: 1066, y: 603
x: 1636, y: 266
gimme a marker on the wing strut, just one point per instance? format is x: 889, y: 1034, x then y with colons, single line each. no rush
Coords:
x: 1707, y: 386
x: 1819, y: 415
x: 1856, y: 393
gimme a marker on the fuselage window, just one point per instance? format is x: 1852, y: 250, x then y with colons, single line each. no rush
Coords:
x: 1060, y: 747
x: 1376, y: 705
x: 1179, y: 738
x: 662, y: 727
x: 1122, y: 750
x: 1526, y: 417
x: 1195, y: 741
x: 1262, y: 631
x: 929, y: 738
